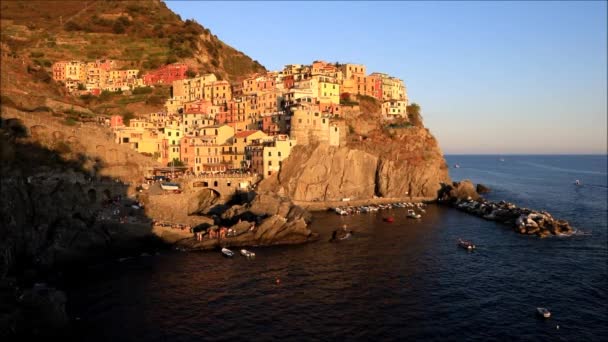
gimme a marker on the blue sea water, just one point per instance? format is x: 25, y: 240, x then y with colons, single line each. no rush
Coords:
x: 392, y: 281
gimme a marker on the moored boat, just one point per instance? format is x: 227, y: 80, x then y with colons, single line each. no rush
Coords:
x: 468, y: 245
x: 227, y: 253
x: 169, y: 186
x: 544, y: 312
x: 389, y: 219
x: 412, y: 214
x: 247, y: 254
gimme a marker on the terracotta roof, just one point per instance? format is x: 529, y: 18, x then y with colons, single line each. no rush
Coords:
x: 244, y: 134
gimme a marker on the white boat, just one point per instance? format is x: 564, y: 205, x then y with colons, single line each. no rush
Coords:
x: 247, y: 253
x: 412, y: 214
x: 169, y: 186
x: 468, y: 245
x: 544, y: 312
x: 228, y: 253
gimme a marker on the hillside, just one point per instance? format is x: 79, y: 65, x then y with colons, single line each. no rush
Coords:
x: 140, y: 34
x: 137, y: 34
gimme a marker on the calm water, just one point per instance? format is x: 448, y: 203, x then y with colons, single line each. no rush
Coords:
x: 393, y: 281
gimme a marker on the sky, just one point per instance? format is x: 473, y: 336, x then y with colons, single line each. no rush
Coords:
x: 491, y: 77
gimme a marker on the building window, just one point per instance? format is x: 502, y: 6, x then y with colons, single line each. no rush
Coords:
x: 270, y: 154
x: 270, y: 163
x: 169, y: 134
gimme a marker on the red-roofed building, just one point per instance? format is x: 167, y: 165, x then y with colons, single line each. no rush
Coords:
x: 166, y: 74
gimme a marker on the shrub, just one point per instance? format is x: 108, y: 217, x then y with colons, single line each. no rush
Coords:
x: 155, y: 100
x: 72, y: 26
x: 118, y: 27
x: 127, y: 116
x: 69, y: 121
x: 36, y: 54
x: 190, y: 73
x: 63, y: 147
x: 171, y: 59
x: 142, y: 90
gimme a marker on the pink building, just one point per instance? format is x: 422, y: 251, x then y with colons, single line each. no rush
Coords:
x: 198, y: 106
x: 116, y: 121
x: 166, y: 74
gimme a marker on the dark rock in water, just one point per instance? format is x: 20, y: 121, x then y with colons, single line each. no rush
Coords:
x: 523, y: 220
x: 40, y: 313
x: 482, y: 189
x: 458, y: 191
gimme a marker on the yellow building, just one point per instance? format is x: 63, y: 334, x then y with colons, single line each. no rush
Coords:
x: 221, y: 133
x: 192, y: 89
x: 235, y: 153
x: 173, y: 133
x: 76, y: 71
x: 267, y: 156
x: 329, y: 92
x: 394, y: 109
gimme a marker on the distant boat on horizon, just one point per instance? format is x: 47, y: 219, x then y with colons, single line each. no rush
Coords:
x: 502, y: 159
x: 457, y: 166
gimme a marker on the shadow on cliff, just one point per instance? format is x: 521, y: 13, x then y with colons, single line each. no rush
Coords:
x: 56, y: 214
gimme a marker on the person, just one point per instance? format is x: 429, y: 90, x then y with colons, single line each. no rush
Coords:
x: 344, y: 228
x: 333, y: 236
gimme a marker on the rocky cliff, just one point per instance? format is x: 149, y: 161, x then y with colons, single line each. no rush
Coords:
x: 405, y: 162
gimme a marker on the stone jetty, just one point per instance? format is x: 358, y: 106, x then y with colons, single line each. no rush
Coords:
x: 462, y: 196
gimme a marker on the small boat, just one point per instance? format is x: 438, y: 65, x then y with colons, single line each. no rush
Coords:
x: 247, y: 253
x: 412, y: 214
x: 169, y: 186
x: 389, y: 219
x: 347, y: 236
x: 577, y: 182
x: 468, y: 245
x: 544, y: 312
x: 227, y: 253
x: 456, y: 166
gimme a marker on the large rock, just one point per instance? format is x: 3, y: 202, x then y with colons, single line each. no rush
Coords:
x: 462, y: 190
x: 408, y: 164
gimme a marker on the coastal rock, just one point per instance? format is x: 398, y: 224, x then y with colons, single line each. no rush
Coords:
x: 41, y: 312
x: 396, y: 168
x: 482, y: 189
x: 463, y: 190
x: 523, y: 220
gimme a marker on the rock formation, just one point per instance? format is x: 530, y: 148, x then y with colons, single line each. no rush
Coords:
x: 408, y: 164
x: 268, y: 220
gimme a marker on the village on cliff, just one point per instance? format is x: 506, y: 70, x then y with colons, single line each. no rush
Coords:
x: 210, y: 125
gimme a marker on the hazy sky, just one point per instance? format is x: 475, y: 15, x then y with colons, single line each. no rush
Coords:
x: 491, y: 77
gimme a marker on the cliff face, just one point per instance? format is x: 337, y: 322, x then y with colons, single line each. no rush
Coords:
x: 405, y: 162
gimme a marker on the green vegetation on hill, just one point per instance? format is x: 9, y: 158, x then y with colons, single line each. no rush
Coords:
x: 140, y: 34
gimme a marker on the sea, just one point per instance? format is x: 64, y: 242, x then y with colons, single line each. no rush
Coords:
x: 406, y: 280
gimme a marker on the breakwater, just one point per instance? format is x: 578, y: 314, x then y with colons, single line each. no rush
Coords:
x: 462, y: 196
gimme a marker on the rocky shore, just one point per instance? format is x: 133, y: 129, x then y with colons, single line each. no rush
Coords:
x: 463, y: 196
x: 267, y: 220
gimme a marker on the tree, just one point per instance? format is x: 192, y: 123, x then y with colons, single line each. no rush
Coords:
x: 190, y: 73
x: 413, y: 113
x: 175, y: 162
